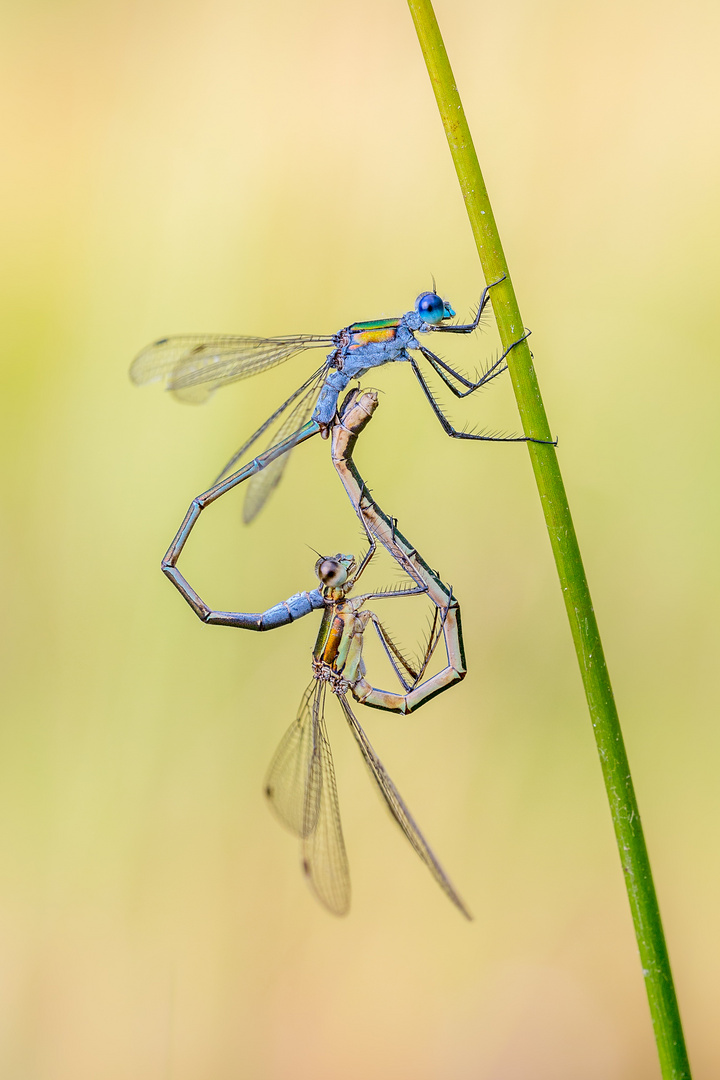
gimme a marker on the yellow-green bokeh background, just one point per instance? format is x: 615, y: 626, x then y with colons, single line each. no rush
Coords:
x: 280, y: 167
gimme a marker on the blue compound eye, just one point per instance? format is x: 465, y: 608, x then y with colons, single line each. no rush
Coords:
x: 430, y: 307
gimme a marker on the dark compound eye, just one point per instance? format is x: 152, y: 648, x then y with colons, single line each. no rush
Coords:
x: 430, y: 307
x: 331, y: 571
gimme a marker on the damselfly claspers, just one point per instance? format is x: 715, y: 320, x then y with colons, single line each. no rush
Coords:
x: 193, y: 366
x: 300, y: 784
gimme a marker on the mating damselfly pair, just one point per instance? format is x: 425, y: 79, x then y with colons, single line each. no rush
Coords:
x: 301, y: 784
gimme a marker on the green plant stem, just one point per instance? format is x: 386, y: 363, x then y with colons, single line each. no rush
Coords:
x: 596, y: 680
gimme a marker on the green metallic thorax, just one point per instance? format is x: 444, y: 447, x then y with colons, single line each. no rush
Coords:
x: 339, y: 641
x: 374, y: 324
x: 324, y: 633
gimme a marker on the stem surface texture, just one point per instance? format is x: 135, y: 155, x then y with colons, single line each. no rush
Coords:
x: 586, y: 636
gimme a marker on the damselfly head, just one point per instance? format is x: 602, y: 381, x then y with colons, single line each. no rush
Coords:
x: 432, y: 308
x: 334, y: 570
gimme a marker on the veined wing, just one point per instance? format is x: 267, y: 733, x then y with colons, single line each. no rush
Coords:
x: 312, y: 385
x: 262, y: 484
x: 302, y: 791
x: 286, y: 782
x: 398, y: 809
x: 193, y: 366
x: 324, y: 858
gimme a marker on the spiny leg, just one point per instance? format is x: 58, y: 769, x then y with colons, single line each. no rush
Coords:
x: 391, y: 594
x: 467, y: 328
x: 440, y: 367
x: 419, y: 690
x: 394, y: 655
x: 370, y: 522
x: 365, y: 561
x: 455, y: 434
x: 437, y: 628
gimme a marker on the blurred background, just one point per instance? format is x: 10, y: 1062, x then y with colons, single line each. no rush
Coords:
x: 280, y: 167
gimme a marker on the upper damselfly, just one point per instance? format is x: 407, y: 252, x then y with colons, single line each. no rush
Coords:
x: 194, y: 366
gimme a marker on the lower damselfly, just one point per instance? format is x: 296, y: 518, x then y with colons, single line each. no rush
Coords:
x: 300, y: 784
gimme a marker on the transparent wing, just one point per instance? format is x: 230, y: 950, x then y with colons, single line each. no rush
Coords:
x: 324, y: 858
x: 398, y: 809
x: 286, y: 783
x: 311, y: 385
x: 262, y: 484
x: 193, y: 366
x: 302, y: 791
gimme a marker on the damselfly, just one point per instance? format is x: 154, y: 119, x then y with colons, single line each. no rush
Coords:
x: 301, y: 783
x: 194, y: 366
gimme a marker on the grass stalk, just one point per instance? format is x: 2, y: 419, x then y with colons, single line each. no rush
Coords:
x: 634, y: 859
